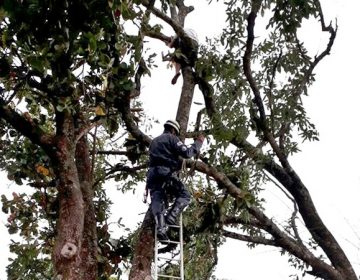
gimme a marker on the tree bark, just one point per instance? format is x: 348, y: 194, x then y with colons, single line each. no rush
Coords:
x: 75, y: 249
x: 144, y: 250
x: 89, y: 248
x: 70, y: 226
x: 187, y: 93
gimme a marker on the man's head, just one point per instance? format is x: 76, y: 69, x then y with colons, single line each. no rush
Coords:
x: 172, y: 126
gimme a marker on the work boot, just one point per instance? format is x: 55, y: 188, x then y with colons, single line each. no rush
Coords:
x: 175, y: 78
x: 172, y: 215
x: 161, y: 229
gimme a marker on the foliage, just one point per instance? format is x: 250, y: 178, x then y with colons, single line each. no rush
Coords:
x: 81, y: 59
x: 28, y: 218
x: 64, y: 57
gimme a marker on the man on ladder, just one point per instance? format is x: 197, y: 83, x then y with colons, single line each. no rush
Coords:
x: 165, y: 151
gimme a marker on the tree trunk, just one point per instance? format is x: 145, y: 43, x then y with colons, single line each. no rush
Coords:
x: 74, y: 255
x: 144, y: 250
x: 71, y: 213
x: 144, y: 247
x: 89, y: 268
x: 187, y: 93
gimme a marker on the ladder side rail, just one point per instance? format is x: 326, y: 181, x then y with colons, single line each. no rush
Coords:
x: 181, y: 249
x: 156, y: 255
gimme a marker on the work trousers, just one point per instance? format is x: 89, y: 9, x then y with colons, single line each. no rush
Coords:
x: 164, y: 186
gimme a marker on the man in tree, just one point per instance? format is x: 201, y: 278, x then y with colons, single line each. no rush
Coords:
x: 165, y: 152
x: 186, y: 50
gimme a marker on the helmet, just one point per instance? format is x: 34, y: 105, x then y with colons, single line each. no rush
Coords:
x: 173, y: 124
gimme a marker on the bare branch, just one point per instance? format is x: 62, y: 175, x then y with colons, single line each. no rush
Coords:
x: 308, y: 72
x: 85, y: 130
x: 120, y: 168
x: 157, y: 35
x: 248, y: 238
x: 127, y: 169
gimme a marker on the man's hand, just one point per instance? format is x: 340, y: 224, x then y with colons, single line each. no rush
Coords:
x: 201, y: 138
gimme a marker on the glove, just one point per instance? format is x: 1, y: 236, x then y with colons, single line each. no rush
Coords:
x: 201, y: 138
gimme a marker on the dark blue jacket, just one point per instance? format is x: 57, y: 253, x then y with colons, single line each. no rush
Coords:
x: 166, y: 149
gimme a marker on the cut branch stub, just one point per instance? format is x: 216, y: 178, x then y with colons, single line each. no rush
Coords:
x: 68, y: 250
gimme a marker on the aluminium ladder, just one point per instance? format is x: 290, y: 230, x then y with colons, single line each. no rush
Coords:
x: 173, y: 258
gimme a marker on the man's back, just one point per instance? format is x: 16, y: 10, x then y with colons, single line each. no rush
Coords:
x: 162, y: 151
x: 166, y: 149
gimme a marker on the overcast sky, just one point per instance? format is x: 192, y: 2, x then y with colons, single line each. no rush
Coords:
x: 329, y: 168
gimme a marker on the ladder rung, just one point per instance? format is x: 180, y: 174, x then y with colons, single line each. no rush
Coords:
x: 169, y: 241
x: 173, y: 226
x: 169, y: 276
x: 174, y: 257
x: 169, y: 259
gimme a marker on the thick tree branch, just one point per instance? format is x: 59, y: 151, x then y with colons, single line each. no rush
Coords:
x: 198, y: 119
x: 157, y: 35
x: 287, y: 177
x: 281, y: 239
x: 121, y: 168
x: 238, y: 220
x: 182, y: 12
x: 173, y: 23
x: 176, y: 23
x: 89, y: 246
x: 247, y: 62
x: 218, y: 176
x: 123, y: 106
x: 261, y: 122
x: 26, y: 126
x: 290, y: 245
x: 270, y: 91
x: 142, y: 70
x: 142, y: 255
x: 247, y: 238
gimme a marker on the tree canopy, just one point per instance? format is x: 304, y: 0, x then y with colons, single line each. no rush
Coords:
x: 71, y: 76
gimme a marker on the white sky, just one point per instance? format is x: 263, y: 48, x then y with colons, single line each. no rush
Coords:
x: 329, y: 168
